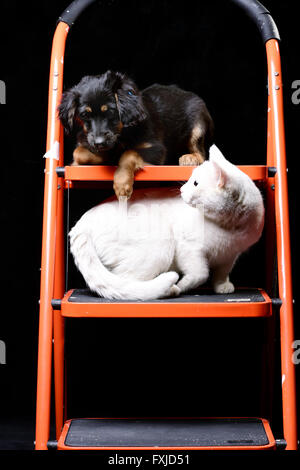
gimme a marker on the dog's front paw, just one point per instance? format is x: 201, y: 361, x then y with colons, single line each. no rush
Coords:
x: 123, y: 189
x: 191, y: 159
x: 224, y: 288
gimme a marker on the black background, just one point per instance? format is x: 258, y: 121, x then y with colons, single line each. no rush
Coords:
x: 137, y: 367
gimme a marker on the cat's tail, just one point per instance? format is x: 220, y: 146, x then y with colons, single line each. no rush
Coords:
x: 111, y: 286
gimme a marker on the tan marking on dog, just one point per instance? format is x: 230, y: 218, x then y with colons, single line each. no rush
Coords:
x: 120, y: 126
x: 193, y: 144
x: 129, y: 163
x: 145, y: 145
x: 104, y: 108
x: 82, y: 156
x: 88, y: 109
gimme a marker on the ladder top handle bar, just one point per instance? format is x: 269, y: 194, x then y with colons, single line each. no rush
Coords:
x: 254, y: 9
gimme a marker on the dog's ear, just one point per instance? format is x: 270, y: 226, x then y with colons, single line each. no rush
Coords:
x: 67, y: 109
x: 130, y: 101
x: 115, y: 80
x: 121, y: 83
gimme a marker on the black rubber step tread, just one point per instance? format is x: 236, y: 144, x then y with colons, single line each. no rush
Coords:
x: 201, y: 296
x: 166, y: 432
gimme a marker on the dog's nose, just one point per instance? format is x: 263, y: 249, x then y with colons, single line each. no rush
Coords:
x: 100, y: 140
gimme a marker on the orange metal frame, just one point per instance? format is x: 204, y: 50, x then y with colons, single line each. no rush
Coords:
x: 51, y: 323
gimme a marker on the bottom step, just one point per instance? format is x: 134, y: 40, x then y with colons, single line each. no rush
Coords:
x: 171, y: 433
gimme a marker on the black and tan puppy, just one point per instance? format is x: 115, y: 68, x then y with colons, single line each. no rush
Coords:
x: 119, y: 125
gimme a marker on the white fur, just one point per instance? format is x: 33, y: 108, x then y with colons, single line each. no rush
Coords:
x: 137, y: 250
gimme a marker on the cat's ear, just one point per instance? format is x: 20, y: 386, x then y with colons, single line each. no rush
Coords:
x: 220, y: 175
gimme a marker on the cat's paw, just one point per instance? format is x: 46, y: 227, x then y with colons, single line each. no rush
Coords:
x: 224, y: 288
x: 174, y: 291
x: 171, y: 277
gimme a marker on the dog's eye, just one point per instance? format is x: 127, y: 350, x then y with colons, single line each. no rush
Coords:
x: 195, y: 183
x: 130, y: 93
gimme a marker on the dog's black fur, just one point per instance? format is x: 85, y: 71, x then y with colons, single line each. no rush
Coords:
x: 160, y: 123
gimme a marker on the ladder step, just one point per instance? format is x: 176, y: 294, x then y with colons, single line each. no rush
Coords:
x: 149, y: 173
x: 170, y: 433
x: 199, y: 303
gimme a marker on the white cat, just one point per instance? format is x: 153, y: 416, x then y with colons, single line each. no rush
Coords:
x: 162, y: 243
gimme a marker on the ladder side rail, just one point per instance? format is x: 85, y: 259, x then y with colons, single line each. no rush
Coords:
x: 276, y: 123
x: 59, y: 290
x: 270, y: 230
x: 43, y: 399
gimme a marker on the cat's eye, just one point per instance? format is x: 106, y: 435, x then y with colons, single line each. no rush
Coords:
x: 195, y: 183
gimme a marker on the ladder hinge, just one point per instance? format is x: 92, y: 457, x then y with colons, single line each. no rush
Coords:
x: 281, y: 444
x: 52, y: 445
x: 272, y: 170
x: 60, y: 170
x: 276, y: 302
x: 56, y: 304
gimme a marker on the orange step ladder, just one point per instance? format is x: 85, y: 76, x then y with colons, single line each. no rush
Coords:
x: 55, y: 304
